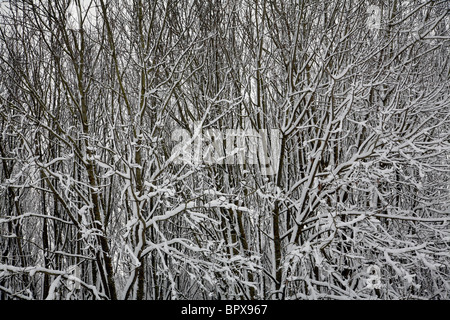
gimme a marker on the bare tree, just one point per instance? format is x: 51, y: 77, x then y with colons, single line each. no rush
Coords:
x: 314, y: 143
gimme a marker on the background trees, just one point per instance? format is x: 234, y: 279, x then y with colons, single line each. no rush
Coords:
x: 96, y: 206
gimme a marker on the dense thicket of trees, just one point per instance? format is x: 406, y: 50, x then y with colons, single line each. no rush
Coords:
x: 95, y: 205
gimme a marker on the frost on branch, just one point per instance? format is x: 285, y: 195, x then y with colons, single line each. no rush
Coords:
x: 245, y: 150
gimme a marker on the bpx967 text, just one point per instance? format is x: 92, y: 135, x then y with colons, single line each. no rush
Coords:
x: 245, y: 309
